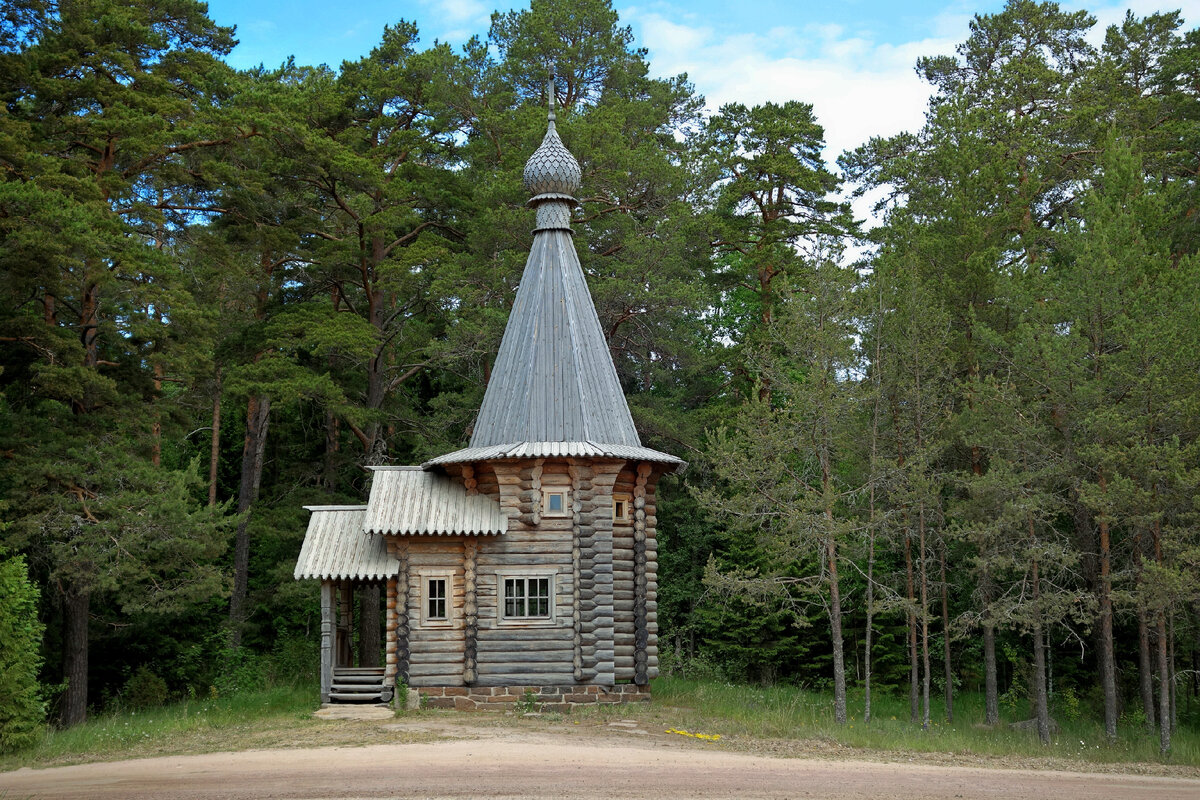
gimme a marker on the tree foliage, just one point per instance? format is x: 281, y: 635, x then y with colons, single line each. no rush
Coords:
x: 972, y: 428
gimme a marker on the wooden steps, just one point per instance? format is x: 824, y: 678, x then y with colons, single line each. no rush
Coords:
x: 359, y: 685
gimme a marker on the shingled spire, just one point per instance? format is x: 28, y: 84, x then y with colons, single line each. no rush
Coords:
x: 553, y: 381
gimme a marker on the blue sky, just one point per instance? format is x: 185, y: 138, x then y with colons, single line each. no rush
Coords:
x: 853, y: 60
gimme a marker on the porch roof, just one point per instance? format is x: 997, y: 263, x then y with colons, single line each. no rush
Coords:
x: 335, y: 547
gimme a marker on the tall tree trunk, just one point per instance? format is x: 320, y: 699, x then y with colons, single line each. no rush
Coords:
x: 924, y: 618
x: 333, y: 429
x: 991, y: 694
x: 948, y: 667
x: 835, y: 628
x: 1164, y: 687
x: 1145, y: 668
x: 75, y: 657
x: 1041, y: 703
x: 1040, y: 695
x: 871, y: 529
x: 214, y: 456
x: 258, y: 415
x: 1108, y: 670
x: 1171, y: 671
x: 914, y: 672
x: 870, y: 625
x: 368, y: 620
x: 1164, y: 671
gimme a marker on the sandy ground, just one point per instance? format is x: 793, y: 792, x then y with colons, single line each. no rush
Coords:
x: 508, y: 763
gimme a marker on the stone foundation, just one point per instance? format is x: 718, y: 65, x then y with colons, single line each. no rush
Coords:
x: 529, y: 698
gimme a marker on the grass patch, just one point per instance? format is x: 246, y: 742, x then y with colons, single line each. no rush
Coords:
x: 271, y: 718
x: 792, y: 714
x: 780, y: 721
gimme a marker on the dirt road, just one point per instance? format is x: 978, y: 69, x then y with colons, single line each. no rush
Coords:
x: 518, y: 764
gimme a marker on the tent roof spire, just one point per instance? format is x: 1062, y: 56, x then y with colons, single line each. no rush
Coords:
x: 554, y: 389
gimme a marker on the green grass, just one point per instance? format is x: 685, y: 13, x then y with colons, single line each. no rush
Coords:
x: 779, y: 720
x: 788, y: 713
x: 271, y: 718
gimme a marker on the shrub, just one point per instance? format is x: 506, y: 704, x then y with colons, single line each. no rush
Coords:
x: 242, y: 671
x: 21, y: 706
x: 144, y: 690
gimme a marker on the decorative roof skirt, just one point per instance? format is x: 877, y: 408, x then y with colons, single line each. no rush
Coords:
x: 556, y: 450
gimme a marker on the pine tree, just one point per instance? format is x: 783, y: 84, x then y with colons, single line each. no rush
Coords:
x: 779, y: 461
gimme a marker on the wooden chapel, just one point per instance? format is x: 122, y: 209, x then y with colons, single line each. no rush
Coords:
x: 524, y: 566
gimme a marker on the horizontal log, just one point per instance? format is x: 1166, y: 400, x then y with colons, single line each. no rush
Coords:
x: 425, y: 550
x: 492, y: 668
x: 523, y: 559
x: 417, y: 634
x: 436, y: 647
x: 562, y: 644
x: 519, y: 536
x: 558, y: 658
x: 420, y: 655
x: 441, y: 674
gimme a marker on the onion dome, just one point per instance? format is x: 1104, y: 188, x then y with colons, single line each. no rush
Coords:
x: 552, y: 170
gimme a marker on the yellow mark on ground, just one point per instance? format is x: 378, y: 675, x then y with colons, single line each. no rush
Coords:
x: 708, y: 737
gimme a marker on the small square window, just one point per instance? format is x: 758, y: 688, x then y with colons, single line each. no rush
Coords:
x: 621, y: 508
x: 554, y: 503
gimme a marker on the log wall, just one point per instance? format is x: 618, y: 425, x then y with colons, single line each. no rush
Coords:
x: 603, y: 628
x: 437, y: 653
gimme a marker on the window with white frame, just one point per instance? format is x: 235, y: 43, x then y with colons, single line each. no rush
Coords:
x: 526, y: 597
x: 437, y: 598
x: 554, y: 502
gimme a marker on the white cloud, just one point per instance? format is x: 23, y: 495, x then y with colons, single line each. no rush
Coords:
x: 458, y: 12
x: 858, y: 88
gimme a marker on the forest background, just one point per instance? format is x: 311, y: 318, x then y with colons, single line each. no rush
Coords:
x: 955, y: 451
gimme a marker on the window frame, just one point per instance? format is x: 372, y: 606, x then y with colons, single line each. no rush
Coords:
x: 425, y: 576
x: 527, y: 575
x: 565, y: 491
x: 622, y: 497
